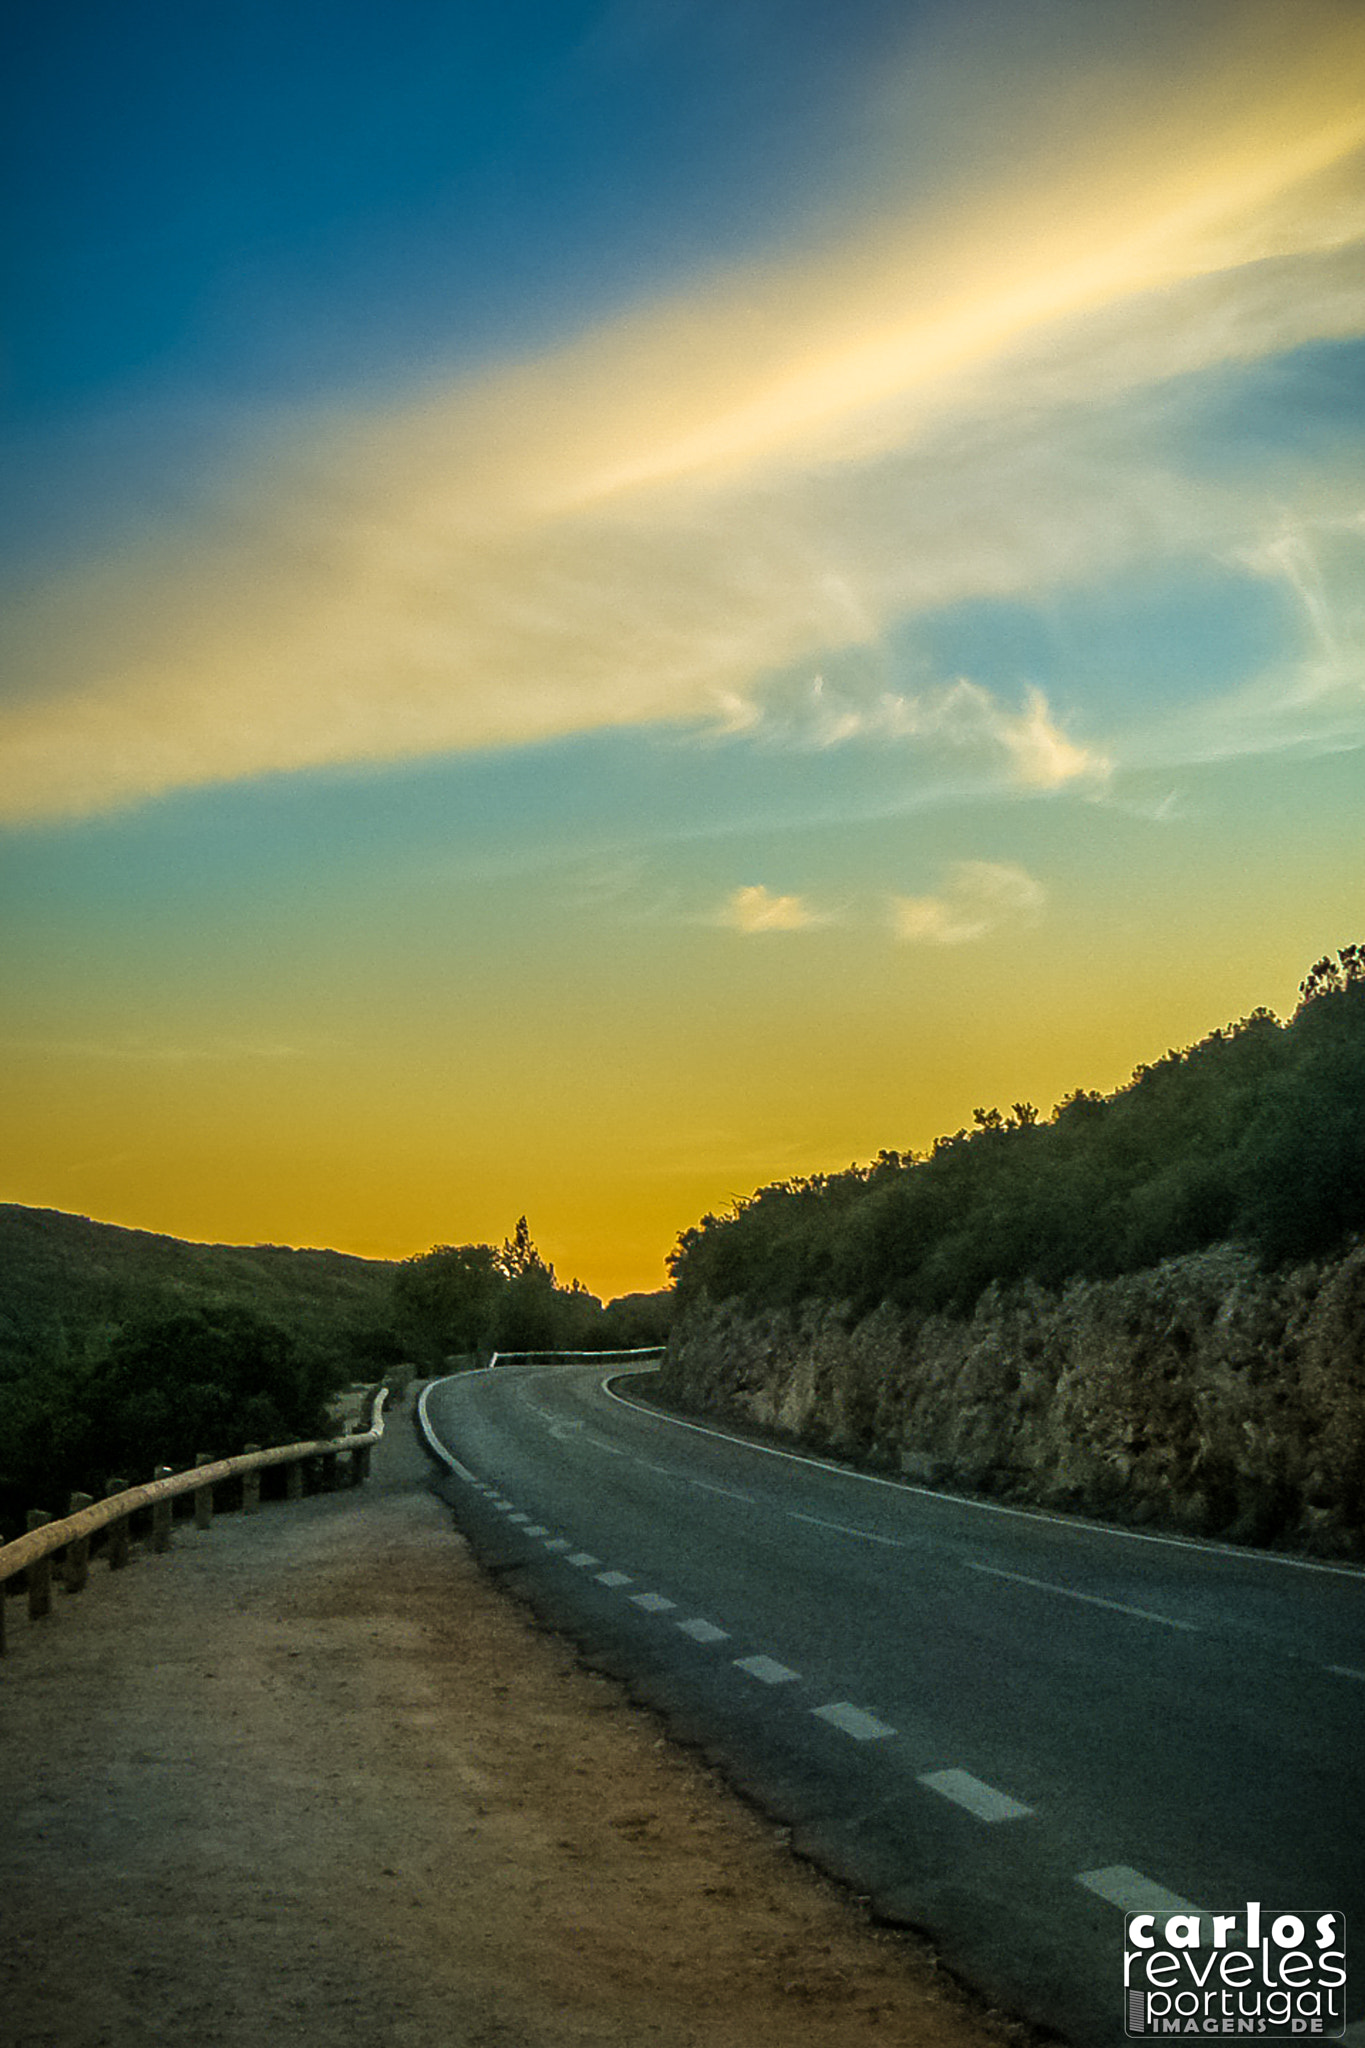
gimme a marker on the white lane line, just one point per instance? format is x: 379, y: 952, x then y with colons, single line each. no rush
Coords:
x: 1345, y: 1671
x: 980, y: 1799
x: 1091, y: 1599
x: 704, y: 1631
x: 862, y: 1727
x: 653, y: 1603
x: 518, y: 1518
x: 614, y: 1579
x: 843, y: 1529
x: 557, y: 1543
x: 767, y: 1669
x: 1236, y: 1553
x: 535, y: 1529
x: 1118, y: 1884
x: 504, y: 1507
x: 725, y: 1492
x: 583, y: 1558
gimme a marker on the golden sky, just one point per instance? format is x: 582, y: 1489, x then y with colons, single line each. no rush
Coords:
x: 899, y: 652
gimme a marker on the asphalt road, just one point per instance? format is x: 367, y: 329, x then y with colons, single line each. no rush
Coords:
x: 1006, y: 1729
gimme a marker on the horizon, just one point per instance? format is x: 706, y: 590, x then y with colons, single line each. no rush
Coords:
x: 612, y: 605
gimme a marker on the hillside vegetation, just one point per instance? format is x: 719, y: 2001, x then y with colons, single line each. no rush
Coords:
x: 1255, y: 1137
x: 121, y: 1349
x: 66, y: 1282
x: 1151, y: 1307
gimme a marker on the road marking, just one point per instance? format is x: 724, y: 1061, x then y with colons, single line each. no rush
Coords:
x: 1236, y: 1552
x: 1091, y: 1599
x: 614, y: 1579
x: 653, y: 1603
x: 1118, y: 1884
x: 862, y: 1727
x: 767, y: 1669
x: 557, y: 1543
x: 518, y: 1518
x: 704, y: 1631
x: 818, y: 1522
x: 584, y: 1558
x: 725, y: 1492
x: 982, y: 1800
x: 536, y: 1529
x: 1345, y: 1671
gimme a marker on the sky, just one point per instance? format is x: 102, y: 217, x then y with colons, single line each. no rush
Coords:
x: 601, y: 604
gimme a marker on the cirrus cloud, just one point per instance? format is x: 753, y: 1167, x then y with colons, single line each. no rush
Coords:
x: 981, y: 897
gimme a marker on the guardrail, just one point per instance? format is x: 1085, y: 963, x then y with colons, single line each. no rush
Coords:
x: 34, y: 1552
x: 574, y: 1357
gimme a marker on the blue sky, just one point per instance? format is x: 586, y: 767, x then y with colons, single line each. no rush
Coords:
x: 603, y: 602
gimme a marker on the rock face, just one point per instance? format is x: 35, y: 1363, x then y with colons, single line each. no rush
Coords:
x: 1201, y: 1395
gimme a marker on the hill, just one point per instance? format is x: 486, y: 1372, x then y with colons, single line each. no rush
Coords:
x: 63, y: 1277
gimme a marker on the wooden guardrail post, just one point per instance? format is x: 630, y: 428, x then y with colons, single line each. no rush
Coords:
x: 203, y: 1495
x: 120, y: 1530
x: 76, y: 1566
x: 251, y: 1486
x: 161, y: 1514
x: 39, y: 1572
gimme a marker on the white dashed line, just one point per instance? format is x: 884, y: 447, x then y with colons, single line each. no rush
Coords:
x: 614, y: 1579
x: 1345, y: 1671
x: 862, y: 1727
x: 653, y: 1603
x: 979, y: 1799
x: 704, y: 1631
x: 556, y: 1543
x: 583, y: 1558
x: 1118, y: 1884
x: 518, y: 1518
x: 767, y: 1669
x: 725, y: 1492
x: 1091, y: 1599
x: 536, y: 1529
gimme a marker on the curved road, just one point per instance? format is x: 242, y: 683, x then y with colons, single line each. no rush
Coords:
x: 1006, y: 1728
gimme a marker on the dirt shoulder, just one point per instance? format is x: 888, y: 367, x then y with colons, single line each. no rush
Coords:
x: 312, y: 1779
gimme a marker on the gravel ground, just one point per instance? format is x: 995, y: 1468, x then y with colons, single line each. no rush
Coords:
x: 311, y: 1779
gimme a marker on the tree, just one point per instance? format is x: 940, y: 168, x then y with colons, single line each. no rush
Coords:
x: 449, y: 1300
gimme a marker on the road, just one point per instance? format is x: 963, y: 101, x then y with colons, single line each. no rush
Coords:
x: 1006, y: 1729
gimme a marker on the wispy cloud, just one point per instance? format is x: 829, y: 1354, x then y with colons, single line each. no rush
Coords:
x: 962, y: 717
x: 650, y: 521
x: 754, y: 908
x: 980, y: 897
x: 1311, y: 702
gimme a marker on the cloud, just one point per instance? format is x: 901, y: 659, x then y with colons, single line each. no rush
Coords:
x: 981, y: 897
x: 755, y: 909
x: 645, y: 524
x: 1314, y: 701
x: 962, y: 717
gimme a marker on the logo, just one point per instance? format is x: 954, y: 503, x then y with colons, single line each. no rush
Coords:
x: 1259, y: 1975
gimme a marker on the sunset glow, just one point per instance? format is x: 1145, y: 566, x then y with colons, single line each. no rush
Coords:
x: 607, y: 609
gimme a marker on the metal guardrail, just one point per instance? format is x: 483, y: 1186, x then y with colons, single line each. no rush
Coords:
x: 32, y: 1553
x: 574, y: 1357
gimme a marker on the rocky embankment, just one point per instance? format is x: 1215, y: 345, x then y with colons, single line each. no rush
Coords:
x: 1202, y: 1396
